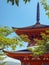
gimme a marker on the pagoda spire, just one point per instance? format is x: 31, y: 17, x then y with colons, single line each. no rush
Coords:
x: 38, y: 13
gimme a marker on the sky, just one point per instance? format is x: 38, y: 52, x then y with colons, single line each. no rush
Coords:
x: 22, y: 16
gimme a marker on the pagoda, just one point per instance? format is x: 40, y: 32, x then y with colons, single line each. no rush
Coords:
x: 34, y: 31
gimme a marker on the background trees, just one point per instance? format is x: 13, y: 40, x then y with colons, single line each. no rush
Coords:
x: 5, y: 41
x: 17, y: 1
x: 12, y: 42
x: 42, y: 45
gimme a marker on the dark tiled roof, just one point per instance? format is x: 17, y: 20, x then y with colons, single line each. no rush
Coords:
x: 33, y: 26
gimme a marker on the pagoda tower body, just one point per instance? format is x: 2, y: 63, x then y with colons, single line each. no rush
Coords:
x: 34, y: 31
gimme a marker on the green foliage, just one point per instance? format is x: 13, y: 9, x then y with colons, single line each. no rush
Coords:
x: 21, y: 45
x: 46, y: 6
x: 26, y: 1
x: 39, y: 50
x: 5, y: 31
x: 42, y: 45
x: 47, y: 14
x: 47, y: 46
x: 5, y: 41
x: 24, y: 38
x: 13, y: 1
x: 17, y: 1
x: 39, y: 42
x: 4, y: 63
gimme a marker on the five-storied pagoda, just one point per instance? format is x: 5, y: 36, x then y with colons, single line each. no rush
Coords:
x: 33, y: 31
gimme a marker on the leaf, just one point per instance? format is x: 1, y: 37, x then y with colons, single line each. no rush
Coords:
x: 8, y: 1
x: 46, y: 7
x: 26, y: 1
x: 17, y: 2
x: 3, y: 63
x: 5, y: 41
x: 13, y: 47
x: 47, y: 31
x: 21, y: 45
x: 12, y: 1
x: 47, y: 14
x: 24, y: 38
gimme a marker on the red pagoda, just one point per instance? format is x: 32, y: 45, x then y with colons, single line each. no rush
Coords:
x: 33, y: 31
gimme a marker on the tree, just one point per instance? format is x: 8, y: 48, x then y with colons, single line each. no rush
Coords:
x: 17, y: 1
x: 42, y: 45
x: 43, y: 2
x: 12, y: 42
x: 25, y: 38
x: 46, y: 6
x: 5, y: 41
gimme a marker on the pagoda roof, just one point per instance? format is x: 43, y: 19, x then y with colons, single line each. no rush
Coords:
x: 33, y: 26
x: 19, y: 51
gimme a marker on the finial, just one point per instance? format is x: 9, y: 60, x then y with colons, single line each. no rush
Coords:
x: 38, y: 13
